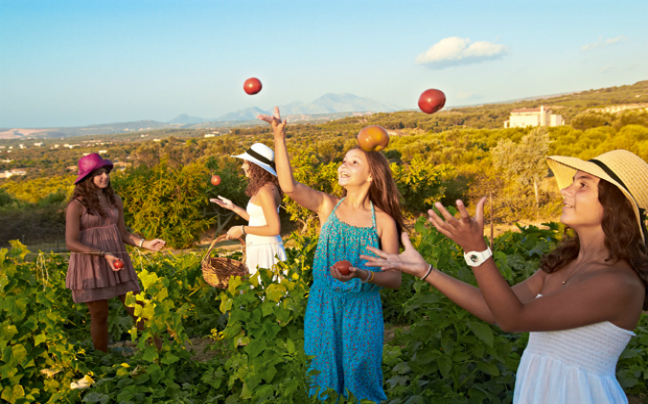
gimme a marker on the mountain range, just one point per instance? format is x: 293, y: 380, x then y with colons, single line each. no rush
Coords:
x: 328, y: 106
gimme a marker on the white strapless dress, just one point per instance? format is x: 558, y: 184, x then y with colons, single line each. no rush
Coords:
x: 261, y: 251
x: 572, y: 366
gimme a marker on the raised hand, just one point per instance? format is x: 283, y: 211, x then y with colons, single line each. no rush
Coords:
x: 466, y: 231
x: 223, y: 202
x: 409, y: 261
x: 278, y: 126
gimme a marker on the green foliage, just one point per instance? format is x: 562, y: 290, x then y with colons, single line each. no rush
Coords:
x: 37, y: 189
x: 38, y: 358
x: 165, y: 202
x: 444, y: 355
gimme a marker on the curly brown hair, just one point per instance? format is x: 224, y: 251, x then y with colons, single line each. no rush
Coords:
x: 86, y: 192
x: 258, y: 178
x: 622, y: 237
x: 383, y: 191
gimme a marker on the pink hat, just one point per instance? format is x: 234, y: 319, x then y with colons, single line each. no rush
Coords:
x: 87, y: 164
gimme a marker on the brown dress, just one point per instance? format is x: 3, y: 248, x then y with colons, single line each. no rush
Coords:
x: 90, y: 277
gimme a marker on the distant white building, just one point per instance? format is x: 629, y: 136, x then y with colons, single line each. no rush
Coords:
x: 39, y: 144
x: 521, y: 118
x: 210, y: 135
x: 11, y: 173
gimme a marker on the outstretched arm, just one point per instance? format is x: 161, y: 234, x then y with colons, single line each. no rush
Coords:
x: 463, y: 294
x: 229, y: 205
x: 610, y: 292
x: 307, y: 197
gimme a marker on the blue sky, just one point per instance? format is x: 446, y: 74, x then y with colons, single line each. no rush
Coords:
x: 74, y: 63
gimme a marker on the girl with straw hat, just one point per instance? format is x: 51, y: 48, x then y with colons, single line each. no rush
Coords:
x: 95, y: 234
x: 263, y: 244
x: 582, y: 305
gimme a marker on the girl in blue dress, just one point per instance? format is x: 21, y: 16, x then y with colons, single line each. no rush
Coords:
x: 344, y: 323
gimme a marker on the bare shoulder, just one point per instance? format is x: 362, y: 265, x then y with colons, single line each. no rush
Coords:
x: 268, y: 187
x: 75, y: 206
x: 384, y: 220
x: 618, y: 282
x: 328, y: 204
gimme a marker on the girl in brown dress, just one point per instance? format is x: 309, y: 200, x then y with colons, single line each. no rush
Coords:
x: 95, y: 235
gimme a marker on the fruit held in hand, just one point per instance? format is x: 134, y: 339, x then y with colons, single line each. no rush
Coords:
x: 252, y: 85
x: 118, y: 264
x: 373, y: 138
x: 343, y: 267
x: 431, y: 101
x: 215, y: 180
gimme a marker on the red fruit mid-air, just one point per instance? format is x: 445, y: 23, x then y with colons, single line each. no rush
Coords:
x: 215, y: 180
x: 252, y: 85
x: 118, y: 264
x: 431, y: 101
x: 373, y: 138
x: 343, y: 267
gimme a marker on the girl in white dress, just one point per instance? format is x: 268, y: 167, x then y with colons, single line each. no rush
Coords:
x: 582, y: 305
x: 263, y: 244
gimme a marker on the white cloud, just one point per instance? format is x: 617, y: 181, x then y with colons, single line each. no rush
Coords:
x: 603, y: 42
x: 455, y: 51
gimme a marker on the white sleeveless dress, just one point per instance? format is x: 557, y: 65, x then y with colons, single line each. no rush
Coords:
x: 572, y: 366
x: 261, y: 251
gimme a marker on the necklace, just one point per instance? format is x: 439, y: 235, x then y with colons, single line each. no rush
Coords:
x: 580, y: 266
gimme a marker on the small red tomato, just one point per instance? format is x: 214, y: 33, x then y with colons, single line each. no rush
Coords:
x: 252, y: 85
x: 431, y: 101
x: 215, y: 180
x: 118, y: 264
x: 343, y: 267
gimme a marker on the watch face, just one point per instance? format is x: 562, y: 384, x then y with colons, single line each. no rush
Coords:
x: 473, y: 257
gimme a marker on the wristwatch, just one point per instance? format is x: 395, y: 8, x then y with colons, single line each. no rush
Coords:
x: 476, y: 258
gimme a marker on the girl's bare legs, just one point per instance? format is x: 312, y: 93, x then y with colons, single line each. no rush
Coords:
x: 99, y: 324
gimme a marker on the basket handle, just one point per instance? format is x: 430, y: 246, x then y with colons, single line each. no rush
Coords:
x: 218, y: 240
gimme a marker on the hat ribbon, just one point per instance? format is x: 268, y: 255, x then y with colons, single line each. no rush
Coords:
x: 642, y: 211
x: 261, y: 158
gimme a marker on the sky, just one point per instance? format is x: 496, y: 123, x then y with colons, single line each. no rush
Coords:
x: 77, y: 63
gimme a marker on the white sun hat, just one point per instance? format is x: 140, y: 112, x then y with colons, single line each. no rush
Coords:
x: 261, y: 155
x: 623, y: 169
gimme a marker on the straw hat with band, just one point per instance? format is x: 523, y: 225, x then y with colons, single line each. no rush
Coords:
x: 87, y: 164
x: 623, y: 169
x: 261, y: 155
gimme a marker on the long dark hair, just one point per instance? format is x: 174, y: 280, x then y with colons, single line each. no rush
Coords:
x: 86, y: 191
x: 622, y: 237
x: 258, y: 178
x: 383, y: 191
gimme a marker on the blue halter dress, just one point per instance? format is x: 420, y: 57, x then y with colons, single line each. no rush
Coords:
x: 344, y: 326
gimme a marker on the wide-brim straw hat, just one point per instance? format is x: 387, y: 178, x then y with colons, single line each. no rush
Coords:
x: 623, y: 169
x: 87, y: 164
x: 261, y: 155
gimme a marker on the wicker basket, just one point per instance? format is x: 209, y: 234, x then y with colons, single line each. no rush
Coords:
x: 217, y: 271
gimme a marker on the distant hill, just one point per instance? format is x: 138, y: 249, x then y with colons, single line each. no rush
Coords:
x: 248, y: 114
x: 345, y: 106
x: 109, y: 128
x: 185, y: 119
